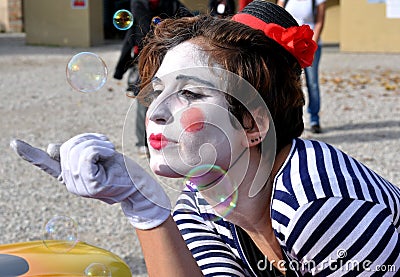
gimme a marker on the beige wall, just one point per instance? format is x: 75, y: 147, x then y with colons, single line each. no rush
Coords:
x: 4, y: 22
x: 364, y: 27
x: 54, y: 22
x: 331, y: 31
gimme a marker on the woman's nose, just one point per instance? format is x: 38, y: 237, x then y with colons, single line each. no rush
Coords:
x: 160, y: 112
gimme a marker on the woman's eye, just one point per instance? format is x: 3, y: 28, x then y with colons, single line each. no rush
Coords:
x: 190, y: 95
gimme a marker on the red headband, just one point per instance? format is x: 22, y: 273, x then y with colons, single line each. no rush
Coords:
x: 297, y: 39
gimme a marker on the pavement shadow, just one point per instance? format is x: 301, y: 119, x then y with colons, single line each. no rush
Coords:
x: 362, y: 132
x: 15, y: 44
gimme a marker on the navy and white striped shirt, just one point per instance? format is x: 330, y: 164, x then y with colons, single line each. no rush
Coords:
x: 331, y: 215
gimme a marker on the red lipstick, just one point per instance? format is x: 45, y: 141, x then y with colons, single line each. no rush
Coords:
x: 158, y: 141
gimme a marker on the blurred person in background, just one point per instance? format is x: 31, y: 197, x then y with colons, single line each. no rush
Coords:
x: 312, y: 13
x: 143, y: 12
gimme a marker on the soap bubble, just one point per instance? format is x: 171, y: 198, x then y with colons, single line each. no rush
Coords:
x: 98, y: 270
x: 60, y: 234
x: 86, y: 72
x: 215, y: 185
x: 123, y: 19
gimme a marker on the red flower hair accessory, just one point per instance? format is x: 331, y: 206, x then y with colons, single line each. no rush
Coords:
x: 297, y: 40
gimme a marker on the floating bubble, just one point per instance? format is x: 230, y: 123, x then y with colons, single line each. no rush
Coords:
x: 97, y: 269
x: 86, y: 72
x: 60, y: 234
x: 155, y: 21
x: 215, y: 185
x: 123, y: 19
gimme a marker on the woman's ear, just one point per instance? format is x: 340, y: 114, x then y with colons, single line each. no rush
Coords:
x: 260, y: 126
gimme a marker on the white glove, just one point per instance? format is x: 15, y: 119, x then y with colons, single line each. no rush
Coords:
x: 90, y: 167
x: 48, y: 162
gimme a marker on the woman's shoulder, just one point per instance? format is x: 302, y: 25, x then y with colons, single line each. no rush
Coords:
x: 316, y: 169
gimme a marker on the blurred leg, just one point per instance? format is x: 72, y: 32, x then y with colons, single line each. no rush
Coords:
x: 133, y: 79
x: 125, y: 60
x: 140, y: 125
x: 312, y: 81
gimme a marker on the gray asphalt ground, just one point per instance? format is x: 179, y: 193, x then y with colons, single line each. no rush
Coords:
x: 360, y: 114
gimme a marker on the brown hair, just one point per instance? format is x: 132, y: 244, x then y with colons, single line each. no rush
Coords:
x: 247, y: 52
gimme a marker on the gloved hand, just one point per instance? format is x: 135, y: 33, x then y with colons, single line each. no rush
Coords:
x: 48, y: 162
x: 90, y: 167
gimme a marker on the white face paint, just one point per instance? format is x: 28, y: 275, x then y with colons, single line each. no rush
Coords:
x: 188, y: 124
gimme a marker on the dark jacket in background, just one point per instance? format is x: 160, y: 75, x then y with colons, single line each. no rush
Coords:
x: 143, y: 12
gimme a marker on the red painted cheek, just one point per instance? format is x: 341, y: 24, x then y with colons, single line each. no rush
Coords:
x: 192, y: 120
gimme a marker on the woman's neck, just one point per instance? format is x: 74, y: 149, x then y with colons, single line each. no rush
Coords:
x: 252, y: 212
x: 254, y: 216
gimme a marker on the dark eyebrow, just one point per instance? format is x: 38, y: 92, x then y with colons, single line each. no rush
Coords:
x: 196, y: 79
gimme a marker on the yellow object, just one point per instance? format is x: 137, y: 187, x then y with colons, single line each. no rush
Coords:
x: 46, y: 258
